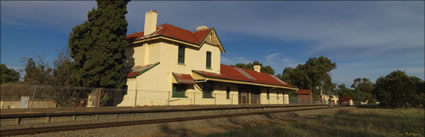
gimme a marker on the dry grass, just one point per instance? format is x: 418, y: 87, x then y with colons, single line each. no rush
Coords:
x: 346, y: 123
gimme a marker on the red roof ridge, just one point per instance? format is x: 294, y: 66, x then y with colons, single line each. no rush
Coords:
x: 212, y: 73
x: 244, y: 69
x: 171, y: 31
x: 232, y: 73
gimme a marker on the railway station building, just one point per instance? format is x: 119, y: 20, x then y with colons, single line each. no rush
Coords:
x: 169, y: 65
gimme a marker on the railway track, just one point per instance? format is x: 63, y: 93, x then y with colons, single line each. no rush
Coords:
x: 38, y: 130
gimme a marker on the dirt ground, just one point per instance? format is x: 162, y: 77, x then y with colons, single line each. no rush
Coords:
x: 194, y: 128
x: 205, y: 127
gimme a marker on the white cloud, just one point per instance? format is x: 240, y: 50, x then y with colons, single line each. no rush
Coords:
x: 59, y: 14
x: 387, y: 35
x: 271, y: 59
x: 278, y: 62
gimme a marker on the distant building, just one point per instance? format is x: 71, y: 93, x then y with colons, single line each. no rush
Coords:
x: 173, y: 66
x: 304, y: 97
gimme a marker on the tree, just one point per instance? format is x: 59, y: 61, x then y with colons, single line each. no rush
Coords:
x: 98, y: 45
x: 37, y: 73
x: 313, y: 75
x: 343, y: 91
x: 363, y: 89
x: 61, y: 79
x: 265, y: 69
x: 62, y: 71
x: 29, y: 70
x: 363, y: 84
x: 318, y: 70
x: 297, y: 77
x: 8, y: 74
x: 399, y: 90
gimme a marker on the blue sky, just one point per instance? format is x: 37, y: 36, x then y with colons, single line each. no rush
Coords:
x: 365, y: 38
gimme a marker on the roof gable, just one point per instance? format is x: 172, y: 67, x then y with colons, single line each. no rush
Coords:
x: 197, y: 38
x: 212, y: 39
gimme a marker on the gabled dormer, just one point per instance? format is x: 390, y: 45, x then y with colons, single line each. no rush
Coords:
x: 178, y: 49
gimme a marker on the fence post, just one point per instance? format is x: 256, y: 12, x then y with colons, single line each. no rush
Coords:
x: 33, y: 96
x: 215, y: 99
x: 135, y: 97
x: 232, y: 99
x: 168, y: 98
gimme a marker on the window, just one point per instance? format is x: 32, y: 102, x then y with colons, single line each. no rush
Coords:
x: 268, y: 93
x: 208, y: 60
x: 227, y: 93
x: 181, y: 55
x: 207, y: 90
x: 179, y: 90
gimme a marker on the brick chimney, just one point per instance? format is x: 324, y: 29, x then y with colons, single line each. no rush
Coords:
x: 257, y: 68
x: 150, y: 22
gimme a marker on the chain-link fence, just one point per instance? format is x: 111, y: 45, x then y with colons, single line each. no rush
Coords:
x: 42, y: 96
x: 137, y: 97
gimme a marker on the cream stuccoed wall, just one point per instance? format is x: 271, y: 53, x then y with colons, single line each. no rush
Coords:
x: 148, y: 53
x: 194, y: 95
x: 154, y: 87
x: 276, y: 96
x: 195, y: 59
x: 129, y: 99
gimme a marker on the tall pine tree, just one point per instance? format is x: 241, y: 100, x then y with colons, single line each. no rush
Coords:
x: 97, y: 46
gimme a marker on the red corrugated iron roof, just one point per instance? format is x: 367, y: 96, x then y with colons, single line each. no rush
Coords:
x: 183, y: 78
x: 138, y: 70
x: 174, y: 32
x: 231, y: 73
x: 132, y: 74
x: 303, y: 92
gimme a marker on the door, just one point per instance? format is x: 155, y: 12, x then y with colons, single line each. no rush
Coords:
x: 255, y: 96
x: 243, y: 97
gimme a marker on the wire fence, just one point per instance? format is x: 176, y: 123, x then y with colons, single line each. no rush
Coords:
x: 135, y: 97
x: 41, y: 96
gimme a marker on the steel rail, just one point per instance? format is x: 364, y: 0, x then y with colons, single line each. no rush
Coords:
x: 39, y: 114
x: 38, y: 130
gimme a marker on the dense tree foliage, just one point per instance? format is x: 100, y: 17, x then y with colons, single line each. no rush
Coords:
x: 399, y: 90
x: 297, y: 77
x: 51, y: 82
x: 8, y: 74
x: 313, y: 75
x: 61, y: 79
x: 265, y: 69
x: 363, y: 89
x: 98, y: 49
x: 62, y: 72
x: 343, y: 91
x: 37, y: 73
x: 97, y: 46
